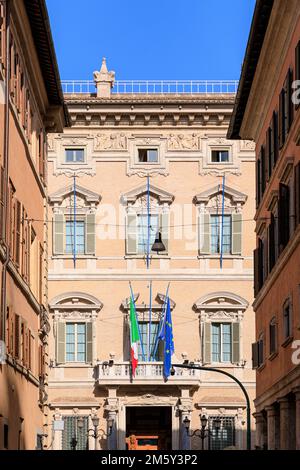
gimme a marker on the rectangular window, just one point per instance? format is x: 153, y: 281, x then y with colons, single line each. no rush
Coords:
x: 75, y: 231
x: 287, y: 321
x: 73, y: 436
x: 217, y: 232
x: 75, y: 342
x: 220, y: 156
x: 5, y: 436
x: 148, y: 155
x: 224, y: 437
x: 74, y: 155
x: 142, y: 226
x: 273, y: 336
x: 144, y: 330
x: 221, y: 340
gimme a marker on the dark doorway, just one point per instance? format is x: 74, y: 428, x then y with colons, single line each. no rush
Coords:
x: 149, y: 428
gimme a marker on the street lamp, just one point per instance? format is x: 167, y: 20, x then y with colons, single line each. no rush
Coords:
x: 95, y: 432
x: 202, y: 432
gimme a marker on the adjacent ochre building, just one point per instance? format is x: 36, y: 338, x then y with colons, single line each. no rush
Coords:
x: 31, y: 105
x: 267, y: 111
x: 175, y: 133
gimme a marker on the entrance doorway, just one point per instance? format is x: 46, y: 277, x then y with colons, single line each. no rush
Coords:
x: 149, y: 428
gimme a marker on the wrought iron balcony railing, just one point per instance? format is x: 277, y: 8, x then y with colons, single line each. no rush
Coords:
x: 155, y: 87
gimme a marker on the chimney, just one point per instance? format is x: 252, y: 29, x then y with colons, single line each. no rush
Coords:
x: 104, y: 81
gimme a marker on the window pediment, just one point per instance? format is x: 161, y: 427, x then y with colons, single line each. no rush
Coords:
x: 89, y: 197
x: 235, y: 197
x: 160, y: 298
x: 157, y: 193
x: 221, y: 301
x: 75, y: 301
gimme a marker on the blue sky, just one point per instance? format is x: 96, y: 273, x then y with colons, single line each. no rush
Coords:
x: 151, y: 39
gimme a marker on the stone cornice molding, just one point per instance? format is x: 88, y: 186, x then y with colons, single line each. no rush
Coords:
x: 236, y: 196
x: 90, y: 196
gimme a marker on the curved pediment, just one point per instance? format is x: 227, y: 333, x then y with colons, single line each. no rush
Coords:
x: 230, y: 193
x: 89, y: 196
x: 221, y: 300
x: 161, y: 195
x: 75, y: 300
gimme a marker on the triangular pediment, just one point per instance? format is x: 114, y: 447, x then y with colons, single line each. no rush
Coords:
x: 160, y: 194
x: 61, y: 194
x: 233, y: 194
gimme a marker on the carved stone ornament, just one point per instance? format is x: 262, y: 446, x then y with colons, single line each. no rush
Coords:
x: 183, y: 142
x: 116, y: 141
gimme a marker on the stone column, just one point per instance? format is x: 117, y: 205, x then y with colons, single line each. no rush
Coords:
x: 260, y: 430
x: 271, y: 425
x: 284, y: 423
x: 297, y: 398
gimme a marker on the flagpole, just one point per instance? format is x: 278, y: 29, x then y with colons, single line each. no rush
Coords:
x: 222, y: 229
x: 74, y: 224
x: 138, y: 325
x: 150, y: 323
x: 161, y: 321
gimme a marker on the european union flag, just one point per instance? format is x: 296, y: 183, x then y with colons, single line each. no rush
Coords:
x: 168, y: 341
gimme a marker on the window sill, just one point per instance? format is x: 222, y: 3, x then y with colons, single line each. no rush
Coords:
x: 71, y: 257
x: 273, y: 355
x: 227, y: 256
x: 287, y: 341
x: 162, y: 256
x: 72, y: 365
x: 224, y: 365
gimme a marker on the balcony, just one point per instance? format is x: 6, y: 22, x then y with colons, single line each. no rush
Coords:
x: 147, y: 373
x: 155, y: 87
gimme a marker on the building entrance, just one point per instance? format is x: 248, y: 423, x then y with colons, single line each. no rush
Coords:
x: 149, y: 428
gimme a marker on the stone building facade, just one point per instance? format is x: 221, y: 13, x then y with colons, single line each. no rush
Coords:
x: 31, y: 106
x: 124, y: 136
x: 267, y: 111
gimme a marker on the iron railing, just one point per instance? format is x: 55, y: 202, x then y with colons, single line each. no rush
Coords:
x: 153, y: 87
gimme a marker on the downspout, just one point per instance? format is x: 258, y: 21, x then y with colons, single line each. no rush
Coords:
x: 6, y: 175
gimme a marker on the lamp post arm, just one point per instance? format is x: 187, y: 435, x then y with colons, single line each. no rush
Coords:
x: 220, y: 371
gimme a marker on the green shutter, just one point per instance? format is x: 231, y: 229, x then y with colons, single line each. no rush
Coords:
x: 206, y: 343
x: 58, y: 234
x: 90, y: 243
x: 164, y: 226
x: 204, y: 233
x: 235, y: 343
x: 131, y: 235
x: 89, y: 342
x: 61, y: 343
x: 236, y: 234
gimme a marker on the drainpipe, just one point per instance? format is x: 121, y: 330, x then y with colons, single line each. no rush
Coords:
x: 6, y: 174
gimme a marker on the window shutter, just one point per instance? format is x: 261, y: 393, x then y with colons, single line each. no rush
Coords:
x: 268, y: 167
x: 17, y: 336
x: 90, y: 244
x: 204, y: 233
x: 271, y: 242
x: 18, y: 232
x: 61, y: 343
x: 131, y: 236
x: 164, y: 224
x: 275, y: 136
x: 263, y: 170
x: 290, y: 105
x: 256, y: 271
x: 236, y: 234
x: 89, y: 342
x: 254, y: 355
x: 258, y: 183
x: 235, y: 343
x: 206, y: 343
x: 284, y: 215
x: 281, y: 119
x: 58, y: 234
x: 297, y: 193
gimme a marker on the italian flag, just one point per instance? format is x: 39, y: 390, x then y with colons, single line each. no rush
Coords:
x: 134, y: 338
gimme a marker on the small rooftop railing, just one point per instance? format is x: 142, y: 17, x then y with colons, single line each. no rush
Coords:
x: 155, y: 87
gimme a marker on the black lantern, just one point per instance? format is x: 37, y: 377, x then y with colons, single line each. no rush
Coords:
x: 158, y: 245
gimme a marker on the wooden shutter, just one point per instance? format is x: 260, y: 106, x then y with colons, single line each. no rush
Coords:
x: 281, y: 119
x: 268, y: 168
x: 297, y: 193
x: 89, y: 342
x: 236, y: 234
x: 58, y: 234
x: 2, y: 195
x: 254, y: 355
x: 61, y: 343
x: 17, y: 337
x: 131, y: 234
x: 289, y: 95
x: 275, y: 136
x: 273, y: 337
x: 90, y: 244
x: 17, y: 232
x: 271, y: 243
x: 258, y: 183
x: 235, y: 342
x: 263, y: 170
x: 283, y: 215
x: 204, y: 233
x: 206, y: 343
x: 164, y: 225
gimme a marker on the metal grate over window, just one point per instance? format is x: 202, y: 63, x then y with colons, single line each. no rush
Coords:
x: 224, y: 437
x: 74, y: 438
